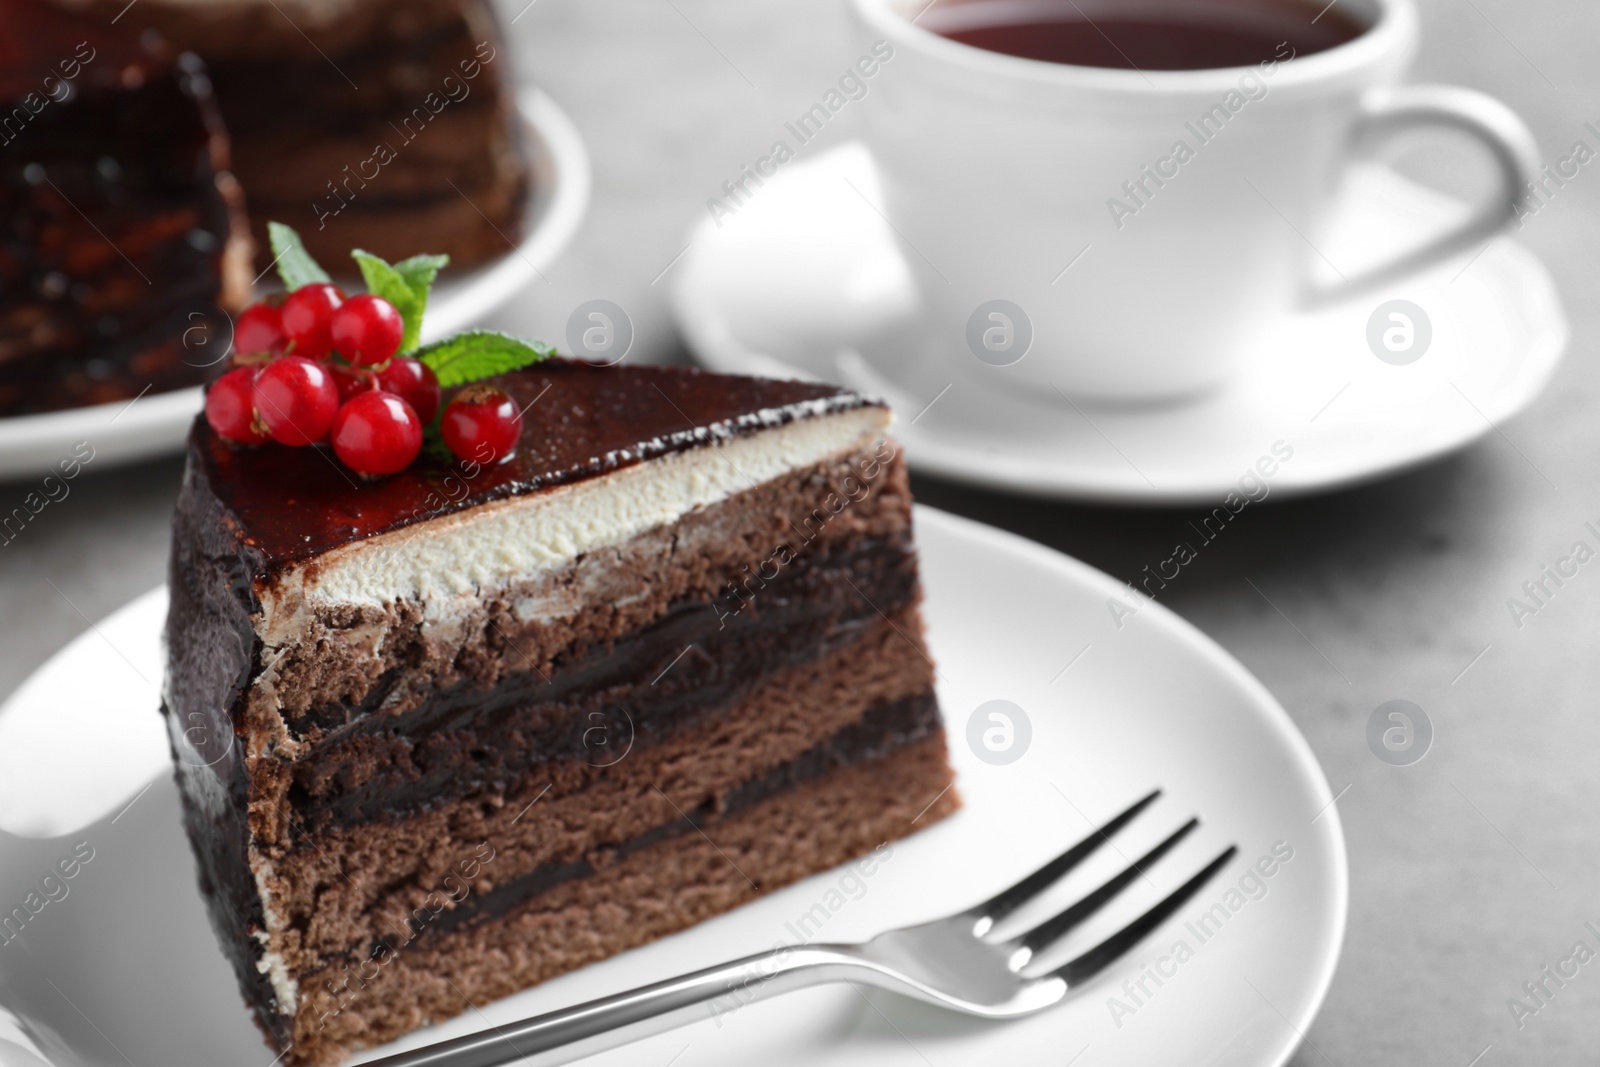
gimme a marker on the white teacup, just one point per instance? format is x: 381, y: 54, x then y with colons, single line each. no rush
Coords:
x: 1003, y: 176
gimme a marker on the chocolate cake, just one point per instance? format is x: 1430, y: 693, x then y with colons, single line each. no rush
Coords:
x: 387, y: 125
x: 121, y: 230
x: 446, y: 735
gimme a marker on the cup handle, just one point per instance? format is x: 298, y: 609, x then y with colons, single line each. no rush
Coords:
x: 1390, y: 113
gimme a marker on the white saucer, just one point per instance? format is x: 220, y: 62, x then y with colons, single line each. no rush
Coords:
x: 1114, y: 712
x: 806, y: 280
x: 124, y: 432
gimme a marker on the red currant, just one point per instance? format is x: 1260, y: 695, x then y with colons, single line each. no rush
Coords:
x: 295, y: 400
x: 366, y: 330
x: 260, y: 329
x: 377, y: 433
x: 415, y: 381
x: 307, y: 315
x: 482, y: 424
x: 351, y: 380
x: 229, y: 409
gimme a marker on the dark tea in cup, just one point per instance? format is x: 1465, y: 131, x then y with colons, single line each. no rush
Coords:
x: 1144, y: 34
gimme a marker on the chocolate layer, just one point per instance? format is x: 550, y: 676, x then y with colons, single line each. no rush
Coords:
x: 661, y: 888
x: 288, y: 504
x: 882, y: 730
x: 650, y: 683
x: 339, y: 654
x: 343, y: 887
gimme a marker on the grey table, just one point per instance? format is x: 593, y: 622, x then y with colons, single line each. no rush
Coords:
x: 1470, y: 870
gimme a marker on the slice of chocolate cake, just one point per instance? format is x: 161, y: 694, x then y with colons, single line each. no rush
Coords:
x: 121, y: 231
x: 386, y: 125
x: 447, y: 735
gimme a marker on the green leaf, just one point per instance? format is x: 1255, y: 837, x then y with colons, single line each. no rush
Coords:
x: 420, y: 271
x: 433, y: 445
x: 295, y: 265
x: 383, y: 280
x: 477, y: 354
x: 405, y: 285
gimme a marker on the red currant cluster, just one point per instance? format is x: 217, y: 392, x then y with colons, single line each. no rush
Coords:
x: 316, y: 366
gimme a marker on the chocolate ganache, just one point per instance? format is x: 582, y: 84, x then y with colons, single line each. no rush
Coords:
x: 291, y: 504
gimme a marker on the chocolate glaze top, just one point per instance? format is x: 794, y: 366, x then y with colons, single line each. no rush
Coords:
x: 40, y: 41
x: 580, y: 421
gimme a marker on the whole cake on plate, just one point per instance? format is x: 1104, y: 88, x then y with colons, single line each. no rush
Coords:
x: 379, y: 124
x: 449, y: 732
x: 122, y: 237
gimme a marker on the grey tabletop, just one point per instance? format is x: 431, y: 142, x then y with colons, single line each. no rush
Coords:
x: 1470, y: 870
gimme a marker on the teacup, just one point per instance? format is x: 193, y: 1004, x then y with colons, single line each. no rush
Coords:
x: 1125, y: 234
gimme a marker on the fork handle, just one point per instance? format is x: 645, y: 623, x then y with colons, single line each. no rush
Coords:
x: 610, y: 1022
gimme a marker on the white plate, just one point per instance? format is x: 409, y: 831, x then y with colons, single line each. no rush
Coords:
x: 126, y: 959
x: 124, y: 432
x: 806, y: 280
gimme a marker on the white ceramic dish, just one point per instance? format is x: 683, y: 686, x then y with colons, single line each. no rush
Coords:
x: 125, y: 432
x: 806, y: 280
x: 125, y: 964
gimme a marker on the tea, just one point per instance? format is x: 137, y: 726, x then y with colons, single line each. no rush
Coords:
x: 1144, y: 34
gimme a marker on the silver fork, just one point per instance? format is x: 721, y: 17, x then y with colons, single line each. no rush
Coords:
x: 952, y: 962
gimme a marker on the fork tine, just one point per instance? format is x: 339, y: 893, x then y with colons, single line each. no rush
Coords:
x: 1049, y: 931
x: 1006, y: 901
x: 1106, y: 952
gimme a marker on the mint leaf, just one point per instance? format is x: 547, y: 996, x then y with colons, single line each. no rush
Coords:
x: 477, y: 354
x: 433, y: 445
x: 383, y: 280
x: 295, y: 265
x: 405, y: 285
x: 420, y: 271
